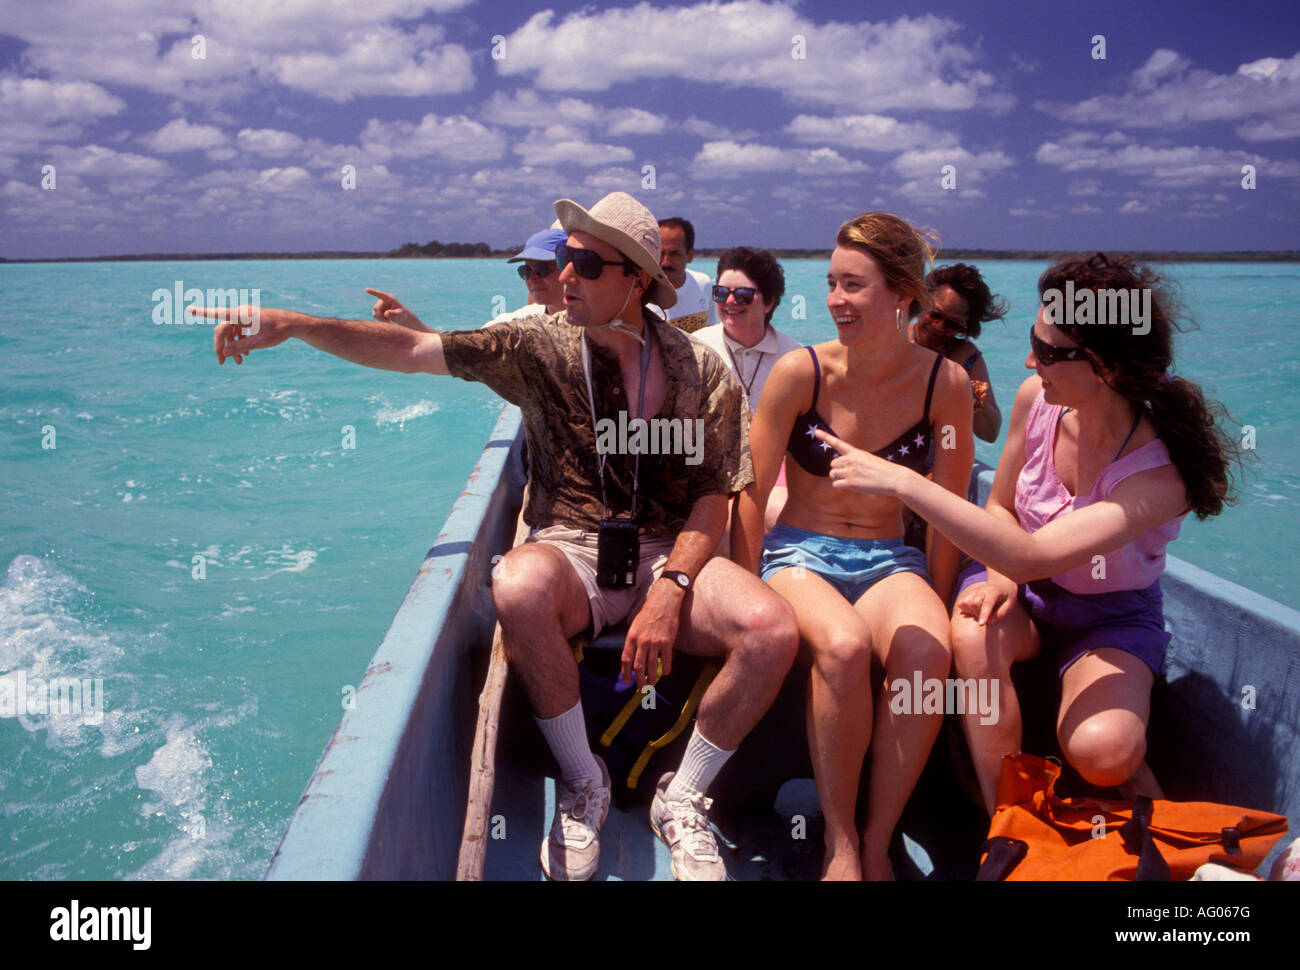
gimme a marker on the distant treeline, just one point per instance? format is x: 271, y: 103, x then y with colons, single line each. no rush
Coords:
x: 435, y: 249
x: 430, y: 250
x: 481, y: 250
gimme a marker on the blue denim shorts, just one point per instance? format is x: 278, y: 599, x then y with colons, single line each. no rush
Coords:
x: 852, y: 566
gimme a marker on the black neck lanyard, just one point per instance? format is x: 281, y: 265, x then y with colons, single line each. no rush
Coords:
x: 736, y: 364
x: 640, y: 408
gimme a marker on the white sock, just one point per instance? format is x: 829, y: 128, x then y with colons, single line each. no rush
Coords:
x: 566, y: 734
x: 700, y: 765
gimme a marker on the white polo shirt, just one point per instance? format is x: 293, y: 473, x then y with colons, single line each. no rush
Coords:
x: 694, y: 308
x: 750, y: 365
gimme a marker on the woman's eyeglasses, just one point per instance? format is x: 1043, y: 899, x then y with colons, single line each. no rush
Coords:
x: 949, y: 324
x: 586, y: 263
x: 1049, y: 354
x: 539, y: 269
x: 744, y: 294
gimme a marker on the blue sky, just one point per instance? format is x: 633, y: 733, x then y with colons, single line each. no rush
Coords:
x: 156, y: 150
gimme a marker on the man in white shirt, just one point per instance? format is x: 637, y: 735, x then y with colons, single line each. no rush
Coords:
x: 694, y: 308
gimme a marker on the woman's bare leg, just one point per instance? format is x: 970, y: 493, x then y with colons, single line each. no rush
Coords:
x: 909, y: 633
x: 837, y: 640
x: 1105, y: 706
x: 987, y: 653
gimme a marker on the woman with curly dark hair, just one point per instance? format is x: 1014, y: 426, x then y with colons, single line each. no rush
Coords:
x: 1106, y: 454
x: 962, y: 304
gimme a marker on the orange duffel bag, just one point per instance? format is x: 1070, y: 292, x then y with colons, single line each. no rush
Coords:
x: 1037, y: 835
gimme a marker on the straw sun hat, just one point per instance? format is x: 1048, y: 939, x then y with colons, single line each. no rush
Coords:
x: 628, y: 226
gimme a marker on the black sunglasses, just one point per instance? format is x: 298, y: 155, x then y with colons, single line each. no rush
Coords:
x: 744, y: 294
x: 949, y: 324
x: 540, y: 270
x: 1049, y: 354
x: 587, y: 264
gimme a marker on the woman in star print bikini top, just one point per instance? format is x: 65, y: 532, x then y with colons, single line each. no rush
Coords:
x: 859, y: 593
x: 909, y: 449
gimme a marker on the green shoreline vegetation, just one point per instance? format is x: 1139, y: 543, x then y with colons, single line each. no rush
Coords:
x: 481, y: 250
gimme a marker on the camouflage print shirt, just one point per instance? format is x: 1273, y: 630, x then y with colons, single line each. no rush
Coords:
x: 697, y: 445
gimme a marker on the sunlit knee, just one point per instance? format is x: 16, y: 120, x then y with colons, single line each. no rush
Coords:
x: 844, y: 658
x: 972, y: 653
x: 1106, y: 749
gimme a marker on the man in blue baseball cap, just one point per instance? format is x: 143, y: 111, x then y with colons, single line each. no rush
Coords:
x: 537, y: 270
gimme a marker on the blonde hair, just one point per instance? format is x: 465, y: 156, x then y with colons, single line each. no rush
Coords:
x: 903, y: 253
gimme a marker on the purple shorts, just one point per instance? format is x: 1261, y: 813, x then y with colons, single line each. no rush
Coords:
x: 1071, y: 624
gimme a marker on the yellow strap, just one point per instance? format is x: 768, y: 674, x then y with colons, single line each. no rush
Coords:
x: 616, y: 725
x: 701, y: 685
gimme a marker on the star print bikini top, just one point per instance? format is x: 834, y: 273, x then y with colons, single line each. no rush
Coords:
x: 911, y: 449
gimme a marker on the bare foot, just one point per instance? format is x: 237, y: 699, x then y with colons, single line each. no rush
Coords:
x: 841, y: 863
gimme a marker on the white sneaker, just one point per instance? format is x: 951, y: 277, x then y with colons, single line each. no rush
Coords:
x: 571, y: 851
x: 683, y: 826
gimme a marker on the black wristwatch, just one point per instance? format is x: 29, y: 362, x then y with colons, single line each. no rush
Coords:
x: 678, y: 577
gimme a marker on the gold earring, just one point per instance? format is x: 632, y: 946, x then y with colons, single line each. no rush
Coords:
x: 898, y: 318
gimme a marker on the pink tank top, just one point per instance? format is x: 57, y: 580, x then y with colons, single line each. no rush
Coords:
x: 1041, y: 497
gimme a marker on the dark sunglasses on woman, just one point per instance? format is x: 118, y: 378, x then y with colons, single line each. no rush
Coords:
x: 1049, y: 354
x: 744, y: 294
x: 949, y: 324
x: 587, y: 264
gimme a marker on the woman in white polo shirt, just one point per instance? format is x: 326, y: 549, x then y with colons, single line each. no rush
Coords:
x: 749, y: 289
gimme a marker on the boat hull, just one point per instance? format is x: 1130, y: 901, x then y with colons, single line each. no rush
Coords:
x: 387, y: 798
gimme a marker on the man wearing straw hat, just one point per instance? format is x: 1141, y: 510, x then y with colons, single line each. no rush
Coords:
x: 620, y: 530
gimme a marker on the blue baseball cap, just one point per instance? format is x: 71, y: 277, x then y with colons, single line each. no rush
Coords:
x: 540, y: 245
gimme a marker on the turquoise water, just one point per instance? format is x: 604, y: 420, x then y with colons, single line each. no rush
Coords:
x: 220, y: 692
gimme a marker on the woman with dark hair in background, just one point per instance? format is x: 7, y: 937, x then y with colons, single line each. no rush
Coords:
x: 862, y: 597
x: 750, y: 284
x: 962, y: 303
x: 1105, y: 455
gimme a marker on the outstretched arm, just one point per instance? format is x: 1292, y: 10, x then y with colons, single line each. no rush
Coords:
x: 241, y: 330
x: 1138, y: 504
x: 389, y: 309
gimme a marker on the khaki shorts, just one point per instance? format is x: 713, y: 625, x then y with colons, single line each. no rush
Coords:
x: 608, y: 606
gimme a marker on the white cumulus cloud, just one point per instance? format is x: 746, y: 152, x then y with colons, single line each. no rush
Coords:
x: 925, y: 171
x: 872, y: 132
x: 1264, y: 95
x: 379, y: 61
x: 528, y: 109
x: 561, y: 144
x: 178, y: 135
x: 34, y: 99
x: 1165, y: 165
x: 456, y: 138
x: 911, y: 62
x: 268, y: 141
x: 729, y: 159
